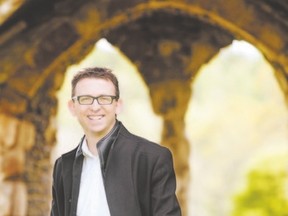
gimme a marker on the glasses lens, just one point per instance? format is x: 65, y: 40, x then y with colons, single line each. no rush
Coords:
x: 86, y: 100
x: 104, y: 100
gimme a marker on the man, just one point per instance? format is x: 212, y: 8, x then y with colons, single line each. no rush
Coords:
x: 111, y: 171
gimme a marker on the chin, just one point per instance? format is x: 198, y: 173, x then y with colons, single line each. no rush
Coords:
x: 98, y: 131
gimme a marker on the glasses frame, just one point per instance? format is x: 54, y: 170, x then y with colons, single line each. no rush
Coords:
x: 113, y: 97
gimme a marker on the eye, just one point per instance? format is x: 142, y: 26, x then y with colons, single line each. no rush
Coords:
x: 104, y: 99
x: 85, y: 100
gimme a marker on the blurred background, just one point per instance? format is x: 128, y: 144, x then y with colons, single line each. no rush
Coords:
x: 206, y: 79
x: 236, y: 124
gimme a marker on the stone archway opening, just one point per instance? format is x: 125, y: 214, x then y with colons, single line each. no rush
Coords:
x: 236, y: 117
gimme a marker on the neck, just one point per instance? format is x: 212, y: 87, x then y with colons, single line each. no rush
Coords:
x: 91, y: 143
x: 93, y: 139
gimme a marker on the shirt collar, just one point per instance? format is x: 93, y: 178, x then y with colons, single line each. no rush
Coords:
x: 79, y: 148
x: 85, y: 150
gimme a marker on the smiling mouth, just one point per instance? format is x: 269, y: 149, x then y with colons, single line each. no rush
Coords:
x: 95, y: 117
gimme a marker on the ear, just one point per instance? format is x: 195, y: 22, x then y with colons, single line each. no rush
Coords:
x: 71, y: 107
x: 119, y: 106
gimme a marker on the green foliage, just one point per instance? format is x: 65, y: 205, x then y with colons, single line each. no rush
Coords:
x: 266, y: 193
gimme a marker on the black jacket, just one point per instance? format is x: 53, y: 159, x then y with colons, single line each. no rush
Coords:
x: 138, y: 177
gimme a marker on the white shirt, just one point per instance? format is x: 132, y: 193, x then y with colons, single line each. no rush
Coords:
x: 92, y: 199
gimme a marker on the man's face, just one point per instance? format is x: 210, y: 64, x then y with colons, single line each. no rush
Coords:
x: 96, y: 120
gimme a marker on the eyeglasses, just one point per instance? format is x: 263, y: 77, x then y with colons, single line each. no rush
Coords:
x: 101, y: 100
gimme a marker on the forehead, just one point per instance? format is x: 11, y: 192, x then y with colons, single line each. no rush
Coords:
x: 94, y: 86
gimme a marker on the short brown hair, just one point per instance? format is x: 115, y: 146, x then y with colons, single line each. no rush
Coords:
x: 96, y: 72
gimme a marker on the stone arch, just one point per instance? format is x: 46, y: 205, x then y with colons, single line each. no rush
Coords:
x: 184, y: 35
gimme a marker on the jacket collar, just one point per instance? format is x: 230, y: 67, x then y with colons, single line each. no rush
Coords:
x: 103, y: 146
x: 106, y: 143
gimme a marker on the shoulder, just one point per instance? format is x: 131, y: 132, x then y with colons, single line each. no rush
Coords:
x: 67, y: 157
x: 147, y: 157
x: 72, y: 153
x: 141, y: 144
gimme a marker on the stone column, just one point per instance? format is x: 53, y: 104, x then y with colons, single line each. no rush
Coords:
x: 16, y: 138
x: 170, y: 100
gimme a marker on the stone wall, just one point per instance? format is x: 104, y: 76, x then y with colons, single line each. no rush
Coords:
x: 17, y: 137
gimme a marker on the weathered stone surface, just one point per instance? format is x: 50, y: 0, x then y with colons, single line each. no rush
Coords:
x: 8, y: 129
x: 15, y: 202
x: 170, y: 100
x: 16, y: 138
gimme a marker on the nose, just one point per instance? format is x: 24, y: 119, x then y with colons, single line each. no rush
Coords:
x: 95, y: 105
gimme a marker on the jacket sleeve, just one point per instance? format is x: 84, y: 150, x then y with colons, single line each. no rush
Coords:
x: 164, y: 200
x: 57, y: 190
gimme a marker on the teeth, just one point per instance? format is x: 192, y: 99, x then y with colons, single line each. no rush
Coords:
x: 98, y: 117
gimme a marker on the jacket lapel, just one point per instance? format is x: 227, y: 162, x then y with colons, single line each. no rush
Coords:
x: 118, y: 181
